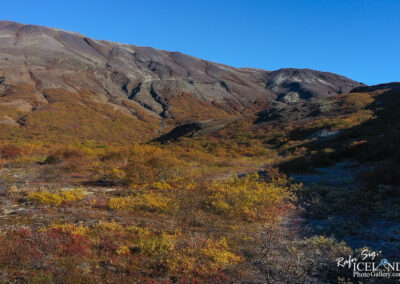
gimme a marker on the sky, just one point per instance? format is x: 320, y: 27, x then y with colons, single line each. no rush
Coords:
x: 359, y: 39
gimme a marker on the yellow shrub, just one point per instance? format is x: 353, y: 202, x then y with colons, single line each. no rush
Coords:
x: 46, y: 198
x: 138, y: 231
x: 54, y: 199
x: 109, y: 226
x: 72, y: 194
x: 161, y: 244
x: 120, y: 203
x: 123, y: 250
x: 70, y: 228
x: 148, y: 164
x: 182, y: 262
x: 190, y: 186
x: 328, y: 150
x: 105, y: 171
x: 153, y: 202
x: 161, y: 185
x: 218, y: 252
x: 357, y: 101
x: 247, y: 197
x: 147, y: 201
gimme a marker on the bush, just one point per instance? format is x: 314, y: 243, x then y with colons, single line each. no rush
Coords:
x: 157, y: 251
x: 150, y: 201
x: 309, y: 260
x: 247, y: 197
x: 46, y: 198
x: 148, y: 164
x: 72, y: 194
x: 160, y: 185
x: 160, y: 245
x: 69, y: 228
x: 10, y: 151
x: 65, y: 154
x: 120, y: 203
x: 65, y: 243
x: 218, y: 252
x: 54, y: 199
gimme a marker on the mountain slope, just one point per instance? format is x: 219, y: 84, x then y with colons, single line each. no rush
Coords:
x: 44, y: 70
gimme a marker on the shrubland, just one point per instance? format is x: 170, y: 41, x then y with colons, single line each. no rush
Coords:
x: 98, y: 207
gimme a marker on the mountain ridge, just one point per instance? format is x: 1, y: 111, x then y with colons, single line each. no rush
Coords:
x: 42, y: 67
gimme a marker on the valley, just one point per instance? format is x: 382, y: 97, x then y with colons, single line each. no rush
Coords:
x: 127, y: 164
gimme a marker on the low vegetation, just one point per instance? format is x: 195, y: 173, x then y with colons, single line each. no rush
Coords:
x: 204, y: 209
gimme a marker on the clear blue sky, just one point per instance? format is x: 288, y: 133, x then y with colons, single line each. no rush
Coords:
x: 356, y: 38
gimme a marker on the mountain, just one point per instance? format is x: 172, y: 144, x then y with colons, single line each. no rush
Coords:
x: 46, y: 71
x: 233, y: 163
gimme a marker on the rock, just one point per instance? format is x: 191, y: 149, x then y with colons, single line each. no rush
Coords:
x: 292, y: 84
x: 324, y: 134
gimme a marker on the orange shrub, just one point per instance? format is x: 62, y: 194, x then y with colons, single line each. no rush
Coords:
x: 148, y: 164
x: 10, y: 151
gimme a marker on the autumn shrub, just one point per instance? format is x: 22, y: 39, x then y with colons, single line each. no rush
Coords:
x: 219, y: 253
x: 111, y: 226
x: 108, y: 174
x: 148, y: 164
x: 123, y: 250
x: 64, y: 154
x: 162, y: 244
x: 357, y: 101
x: 114, y: 156
x: 46, y: 198
x: 54, y: 199
x: 120, y: 203
x: 247, y: 197
x: 149, y: 201
x: 310, y: 260
x: 10, y: 151
x: 74, y: 194
x: 68, y: 228
x: 139, y: 232
x: 273, y: 175
x: 157, y: 252
x: 19, y: 248
x: 25, y: 247
x: 108, y: 247
x: 40, y: 277
x: 65, y: 243
x: 161, y: 185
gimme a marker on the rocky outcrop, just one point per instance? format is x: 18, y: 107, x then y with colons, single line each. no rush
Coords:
x: 292, y: 85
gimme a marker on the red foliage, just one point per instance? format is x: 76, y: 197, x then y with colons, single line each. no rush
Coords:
x: 272, y: 174
x: 108, y: 246
x: 10, y: 151
x: 24, y: 246
x: 66, y: 243
x: 20, y: 247
x: 208, y: 277
x: 100, y: 204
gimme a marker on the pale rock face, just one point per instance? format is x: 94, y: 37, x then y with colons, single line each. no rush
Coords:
x: 8, y: 120
x: 291, y: 97
x: 51, y: 58
x: 294, y: 84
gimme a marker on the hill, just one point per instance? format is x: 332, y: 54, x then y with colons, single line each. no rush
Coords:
x: 61, y: 81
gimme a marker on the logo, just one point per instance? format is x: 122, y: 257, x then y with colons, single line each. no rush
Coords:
x: 370, y: 264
